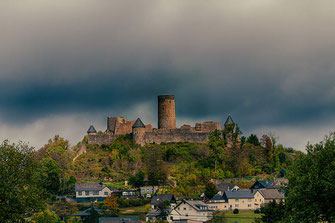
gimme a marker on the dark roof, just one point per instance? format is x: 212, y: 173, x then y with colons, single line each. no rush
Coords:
x: 238, y: 194
x: 118, y: 219
x: 224, y: 187
x: 229, y: 121
x: 197, y: 205
x: 263, y: 184
x: 87, y: 212
x: 138, y: 124
x: 89, y: 186
x: 159, y: 198
x: 217, y: 197
x: 271, y: 194
x: 91, y: 129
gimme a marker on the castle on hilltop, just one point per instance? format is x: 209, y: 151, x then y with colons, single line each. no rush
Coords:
x: 166, y: 132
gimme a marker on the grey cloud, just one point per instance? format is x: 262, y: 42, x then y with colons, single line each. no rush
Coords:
x: 268, y: 63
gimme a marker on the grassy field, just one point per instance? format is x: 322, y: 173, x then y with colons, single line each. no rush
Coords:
x: 139, y: 211
x: 241, y: 217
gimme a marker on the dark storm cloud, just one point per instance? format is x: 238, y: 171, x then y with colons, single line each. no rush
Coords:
x: 268, y: 63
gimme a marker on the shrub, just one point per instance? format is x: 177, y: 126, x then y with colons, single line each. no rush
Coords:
x: 257, y: 211
x: 235, y: 211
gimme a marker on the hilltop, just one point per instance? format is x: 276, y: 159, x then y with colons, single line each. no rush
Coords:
x: 184, y: 167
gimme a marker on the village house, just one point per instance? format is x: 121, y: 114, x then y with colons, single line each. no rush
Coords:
x: 84, y: 214
x: 226, y: 187
x: 263, y: 184
x: 190, y: 210
x: 88, y: 192
x: 147, y: 191
x: 270, y: 195
x: 130, y: 194
x: 160, y: 198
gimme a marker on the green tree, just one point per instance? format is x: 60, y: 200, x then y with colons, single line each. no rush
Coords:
x: 137, y: 180
x: 311, y: 184
x: 20, y: 195
x: 50, y: 176
x: 45, y: 216
x: 253, y: 139
x: 64, y: 209
x: 157, y: 172
x: 273, y: 212
x: 216, y: 144
x: 210, y: 190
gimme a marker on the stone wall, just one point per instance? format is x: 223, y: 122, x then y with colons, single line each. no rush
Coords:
x: 101, y: 139
x: 177, y: 136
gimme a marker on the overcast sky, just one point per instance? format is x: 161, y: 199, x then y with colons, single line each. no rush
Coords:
x: 67, y: 64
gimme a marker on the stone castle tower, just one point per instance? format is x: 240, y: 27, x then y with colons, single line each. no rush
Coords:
x: 165, y: 133
x: 166, y: 112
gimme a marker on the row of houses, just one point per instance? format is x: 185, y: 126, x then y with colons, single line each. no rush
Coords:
x: 229, y: 197
x: 88, y: 192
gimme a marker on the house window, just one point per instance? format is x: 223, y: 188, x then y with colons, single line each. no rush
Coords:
x: 255, y: 200
x: 243, y: 202
x: 95, y: 192
x: 80, y: 193
x: 186, y: 215
x: 249, y: 205
x: 87, y: 192
x: 105, y: 193
x: 231, y: 206
x: 236, y: 205
x: 236, y: 200
x: 184, y: 209
x: 249, y: 200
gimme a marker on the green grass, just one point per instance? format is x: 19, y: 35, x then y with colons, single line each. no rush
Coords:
x: 244, y: 216
x: 135, y: 209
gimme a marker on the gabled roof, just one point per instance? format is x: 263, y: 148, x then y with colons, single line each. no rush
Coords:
x: 263, y: 184
x: 138, y: 124
x: 198, y: 205
x: 224, y: 187
x: 271, y: 194
x: 91, y: 129
x: 89, y: 186
x: 229, y: 121
x: 217, y: 197
x: 239, y: 194
x: 87, y: 212
x: 159, y: 198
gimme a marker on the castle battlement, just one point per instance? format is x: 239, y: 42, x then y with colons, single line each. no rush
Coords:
x: 166, y: 132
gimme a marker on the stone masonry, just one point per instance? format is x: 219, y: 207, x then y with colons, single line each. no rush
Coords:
x: 166, y: 132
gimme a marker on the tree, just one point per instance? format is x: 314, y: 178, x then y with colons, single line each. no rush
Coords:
x: 64, y: 209
x: 311, y: 184
x: 50, y: 176
x: 157, y: 172
x: 210, y: 190
x: 216, y: 144
x: 111, y: 206
x: 273, y: 212
x: 19, y: 192
x: 253, y: 139
x: 45, y: 216
x: 137, y: 180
